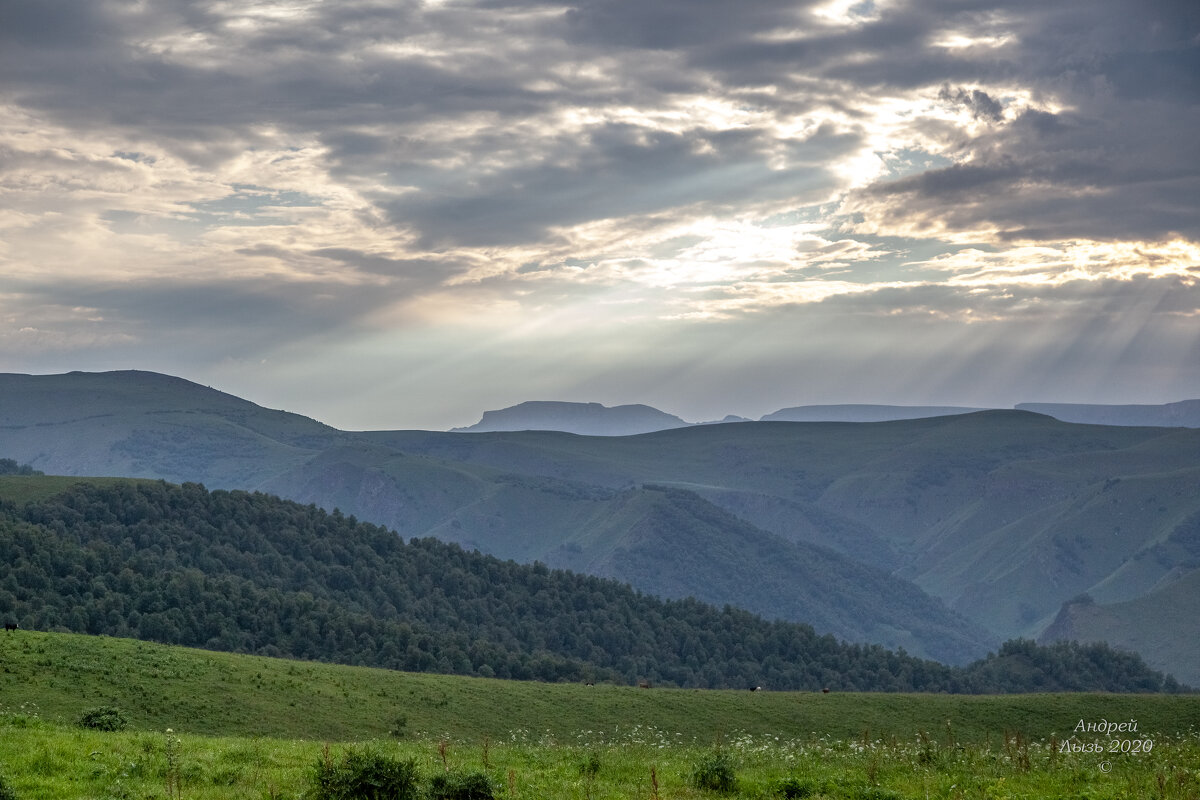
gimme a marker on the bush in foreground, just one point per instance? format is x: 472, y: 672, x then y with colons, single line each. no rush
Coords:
x: 460, y: 786
x: 364, y: 775
x: 103, y: 718
x: 715, y: 772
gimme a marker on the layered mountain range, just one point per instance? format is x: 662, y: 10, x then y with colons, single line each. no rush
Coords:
x: 593, y: 419
x: 943, y: 535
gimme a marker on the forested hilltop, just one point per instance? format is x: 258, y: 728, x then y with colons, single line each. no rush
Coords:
x: 249, y: 572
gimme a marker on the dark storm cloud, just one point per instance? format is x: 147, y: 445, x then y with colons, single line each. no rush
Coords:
x: 1118, y: 164
x: 1127, y: 70
x: 621, y: 170
x: 676, y: 24
x: 981, y: 104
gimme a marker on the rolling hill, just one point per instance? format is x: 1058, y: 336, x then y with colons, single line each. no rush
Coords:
x: 252, y: 573
x: 227, y: 694
x: 174, y: 431
x: 1002, y: 516
x: 1154, y: 625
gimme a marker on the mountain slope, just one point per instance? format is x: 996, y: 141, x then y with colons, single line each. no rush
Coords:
x: 142, y: 424
x: 1001, y: 515
x: 1162, y: 625
x: 667, y: 542
x: 252, y: 573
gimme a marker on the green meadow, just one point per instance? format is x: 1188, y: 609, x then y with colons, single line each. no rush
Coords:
x: 217, y: 725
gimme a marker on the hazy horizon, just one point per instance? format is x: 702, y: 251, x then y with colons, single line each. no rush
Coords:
x: 403, y: 214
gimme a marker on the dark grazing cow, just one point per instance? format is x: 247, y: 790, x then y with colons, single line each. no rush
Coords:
x: 11, y: 626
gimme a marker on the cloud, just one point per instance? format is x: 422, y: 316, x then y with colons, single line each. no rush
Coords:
x: 669, y: 162
x: 979, y: 102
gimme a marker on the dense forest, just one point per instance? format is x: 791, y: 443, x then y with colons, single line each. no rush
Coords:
x: 249, y: 572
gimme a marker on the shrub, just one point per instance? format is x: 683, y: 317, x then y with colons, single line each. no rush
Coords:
x: 794, y: 788
x: 874, y: 793
x: 460, y: 786
x: 103, y: 718
x: 715, y: 772
x: 590, y: 766
x: 364, y: 775
x: 399, y: 726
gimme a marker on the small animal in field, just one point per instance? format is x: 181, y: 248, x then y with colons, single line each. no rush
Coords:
x: 643, y: 684
x: 825, y: 690
x: 756, y: 688
x: 11, y: 626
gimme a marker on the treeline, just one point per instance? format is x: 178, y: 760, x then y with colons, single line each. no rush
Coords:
x: 251, y: 573
x: 11, y: 467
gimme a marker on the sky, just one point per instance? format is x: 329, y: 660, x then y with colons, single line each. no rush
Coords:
x: 400, y: 214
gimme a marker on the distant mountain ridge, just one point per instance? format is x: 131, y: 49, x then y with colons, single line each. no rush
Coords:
x: 1184, y: 414
x: 588, y: 419
x: 594, y: 419
x: 863, y: 413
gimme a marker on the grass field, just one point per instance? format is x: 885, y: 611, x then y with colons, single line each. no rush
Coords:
x: 203, y: 692
x: 39, y: 759
x: 246, y: 727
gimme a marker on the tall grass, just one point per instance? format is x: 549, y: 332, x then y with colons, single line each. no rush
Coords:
x: 40, y: 759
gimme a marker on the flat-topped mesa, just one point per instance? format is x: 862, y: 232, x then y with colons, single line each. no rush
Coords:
x: 589, y: 419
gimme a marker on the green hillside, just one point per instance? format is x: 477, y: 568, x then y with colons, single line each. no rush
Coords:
x: 665, y: 541
x: 253, y: 573
x: 142, y: 424
x: 217, y: 726
x: 196, y: 691
x: 1003, y: 515
x: 1149, y: 625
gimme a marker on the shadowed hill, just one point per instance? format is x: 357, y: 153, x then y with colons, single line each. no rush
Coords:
x: 1160, y: 625
x: 143, y: 424
x: 667, y: 541
x: 1001, y: 515
x: 252, y: 573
